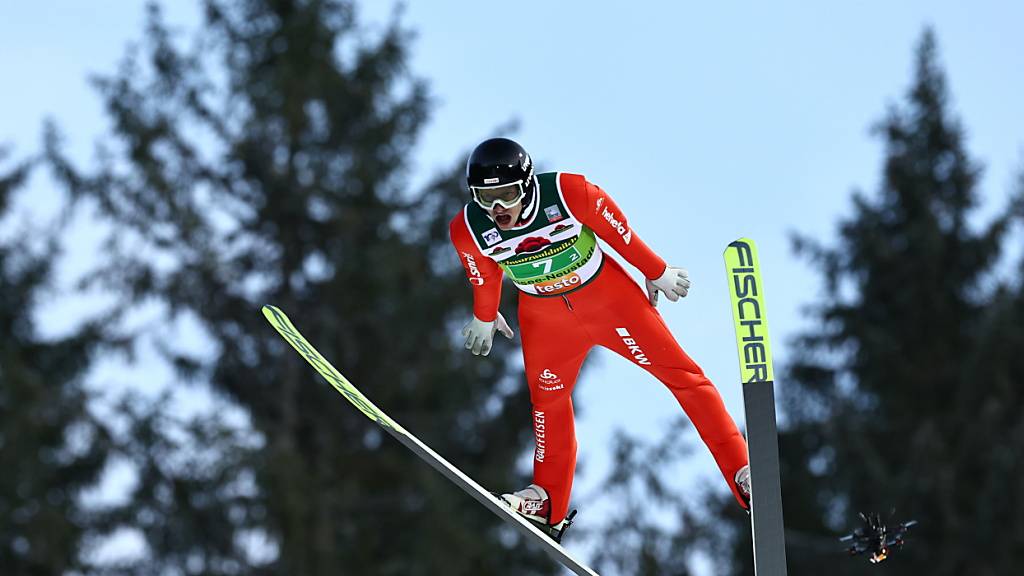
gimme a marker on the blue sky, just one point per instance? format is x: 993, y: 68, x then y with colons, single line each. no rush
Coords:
x: 706, y: 122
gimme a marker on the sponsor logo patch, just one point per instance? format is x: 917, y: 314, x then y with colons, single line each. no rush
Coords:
x: 532, y: 244
x: 560, y: 285
x: 553, y: 213
x: 474, y: 273
x: 539, y: 430
x: 533, y: 505
x: 550, y: 381
x: 491, y: 180
x: 559, y: 229
x: 633, y: 347
x: 491, y: 237
x: 617, y: 225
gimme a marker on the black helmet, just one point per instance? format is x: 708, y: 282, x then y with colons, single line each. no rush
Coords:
x: 500, y: 171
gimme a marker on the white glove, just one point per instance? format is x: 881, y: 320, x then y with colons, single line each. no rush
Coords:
x: 479, y: 334
x: 674, y: 282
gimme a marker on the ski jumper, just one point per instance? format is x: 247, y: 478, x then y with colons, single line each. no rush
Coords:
x: 576, y: 297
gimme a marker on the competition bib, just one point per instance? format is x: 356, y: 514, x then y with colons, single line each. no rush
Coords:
x: 553, y: 254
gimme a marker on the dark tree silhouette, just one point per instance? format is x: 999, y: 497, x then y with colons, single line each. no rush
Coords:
x: 52, y: 449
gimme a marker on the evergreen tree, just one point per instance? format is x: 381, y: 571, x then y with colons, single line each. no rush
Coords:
x: 907, y: 393
x: 268, y: 163
x: 51, y: 448
x: 193, y: 500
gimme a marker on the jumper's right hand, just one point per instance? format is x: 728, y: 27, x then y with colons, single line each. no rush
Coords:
x: 480, y: 335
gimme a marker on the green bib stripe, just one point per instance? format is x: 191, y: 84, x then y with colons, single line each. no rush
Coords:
x: 552, y: 254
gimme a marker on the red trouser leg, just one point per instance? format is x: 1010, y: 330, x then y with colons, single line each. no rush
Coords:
x: 620, y: 318
x: 554, y: 346
x: 611, y: 311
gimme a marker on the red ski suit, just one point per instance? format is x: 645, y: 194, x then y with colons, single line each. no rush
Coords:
x: 609, y: 310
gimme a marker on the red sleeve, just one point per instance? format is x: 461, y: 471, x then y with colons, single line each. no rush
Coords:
x: 483, y: 273
x: 596, y: 209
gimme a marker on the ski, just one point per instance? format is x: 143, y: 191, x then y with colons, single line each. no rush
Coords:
x: 288, y: 331
x: 758, y: 380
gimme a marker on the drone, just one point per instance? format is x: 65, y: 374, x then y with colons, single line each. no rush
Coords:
x: 876, y: 538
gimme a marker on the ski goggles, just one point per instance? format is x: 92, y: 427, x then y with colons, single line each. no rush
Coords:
x: 507, y: 195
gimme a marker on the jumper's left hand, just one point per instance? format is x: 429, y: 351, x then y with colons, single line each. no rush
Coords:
x: 674, y: 282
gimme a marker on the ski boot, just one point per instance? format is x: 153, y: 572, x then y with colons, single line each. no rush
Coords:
x: 533, y: 504
x: 742, y: 480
